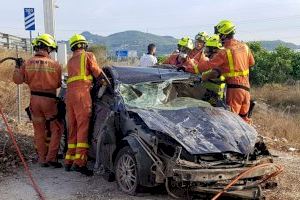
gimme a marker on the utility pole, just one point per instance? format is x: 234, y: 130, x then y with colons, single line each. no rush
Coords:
x: 49, y: 17
x: 49, y: 21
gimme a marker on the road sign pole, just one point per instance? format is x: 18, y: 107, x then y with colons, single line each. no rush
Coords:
x: 31, y: 50
x: 29, y: 19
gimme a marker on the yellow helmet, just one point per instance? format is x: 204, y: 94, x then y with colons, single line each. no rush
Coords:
x: 45, y: 39
x: 77, y: 39
x: 33, y: 42
x: 202, y: 36
x: 214, y: 41
x: 186, y: 42
x: 225, y: 27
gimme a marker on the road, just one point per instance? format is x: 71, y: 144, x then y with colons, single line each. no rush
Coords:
x: 58, y: 184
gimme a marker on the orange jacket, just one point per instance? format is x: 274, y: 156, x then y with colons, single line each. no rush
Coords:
x: 74, y: 69
x: 192, y: 63
x: 174, y: 59
x: 40, y: 72
x: 242, y: 60
x: 196, y: 54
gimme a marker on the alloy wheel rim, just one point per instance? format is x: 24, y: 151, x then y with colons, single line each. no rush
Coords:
x: 126, y: 172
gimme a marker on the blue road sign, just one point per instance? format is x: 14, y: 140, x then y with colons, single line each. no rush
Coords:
x: 122, y: 54
x: 29, y: 19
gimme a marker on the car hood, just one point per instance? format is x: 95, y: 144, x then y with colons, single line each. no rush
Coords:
x: 202, y: 130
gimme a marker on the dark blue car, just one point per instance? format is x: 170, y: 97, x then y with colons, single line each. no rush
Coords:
x: 151, y: 127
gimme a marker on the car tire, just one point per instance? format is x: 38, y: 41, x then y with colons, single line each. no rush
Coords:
x: 126, y: 172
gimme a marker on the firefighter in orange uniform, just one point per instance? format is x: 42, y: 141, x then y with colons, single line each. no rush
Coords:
x: 198, y: 52
x: 82, y: 68
x: 43, y: 76
x: 233, y: 63
x: 185, y: 46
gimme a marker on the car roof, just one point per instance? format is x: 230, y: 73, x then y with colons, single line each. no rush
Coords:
x: 133, y: 75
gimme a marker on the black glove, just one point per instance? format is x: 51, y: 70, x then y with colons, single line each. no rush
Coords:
x: 181, y: 68
x: 19, y: 62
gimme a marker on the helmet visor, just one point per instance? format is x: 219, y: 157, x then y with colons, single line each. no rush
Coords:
x: 216, y: 31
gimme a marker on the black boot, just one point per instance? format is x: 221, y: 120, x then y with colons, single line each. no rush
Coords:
x: 55, y: 164
x: 75, y: 168
x: 44, y: 164
x: 68, y: 167
x: 84, y: 170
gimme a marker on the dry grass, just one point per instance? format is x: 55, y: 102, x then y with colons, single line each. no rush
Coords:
x: 277, y: 115
x: 8, y: 90
x: 283, y: 97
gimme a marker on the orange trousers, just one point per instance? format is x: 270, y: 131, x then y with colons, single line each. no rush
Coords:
x: 44, y: 111
x: 239, y: 101
x: 79, y: 110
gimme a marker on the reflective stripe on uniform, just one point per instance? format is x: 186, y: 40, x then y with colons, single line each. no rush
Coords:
x: 82, y: 75
x: 232, y: 72
x: 196, y: 69
x: 39, y: 69
x: 71, y: 146
x: 69, y: 157
x: 83, y: 145
x: 80, y: 156
x: 78, y: 145
x: 77, y: 156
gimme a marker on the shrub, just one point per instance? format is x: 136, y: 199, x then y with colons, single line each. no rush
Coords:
x: 274, y: 66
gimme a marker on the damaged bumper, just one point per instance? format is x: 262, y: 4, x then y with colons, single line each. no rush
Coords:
x: 214, y: 175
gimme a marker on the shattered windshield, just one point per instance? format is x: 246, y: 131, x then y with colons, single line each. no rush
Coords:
x: 167, y: 95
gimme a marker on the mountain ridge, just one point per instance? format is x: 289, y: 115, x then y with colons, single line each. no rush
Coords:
x: 137, y: 40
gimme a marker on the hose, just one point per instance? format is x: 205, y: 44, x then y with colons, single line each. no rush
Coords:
x: 241, y: 175
x: 27, y: 170
x: 8, y: 58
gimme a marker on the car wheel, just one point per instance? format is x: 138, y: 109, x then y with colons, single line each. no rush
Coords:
x: 126, y: 171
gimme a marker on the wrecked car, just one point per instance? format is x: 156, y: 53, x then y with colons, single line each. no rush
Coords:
x: 151, y: 127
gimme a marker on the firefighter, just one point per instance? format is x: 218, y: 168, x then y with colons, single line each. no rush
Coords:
x: 200, y: 40
x: 82, y: 68
x: 185, y: 46
x: 43, y: 76
x: 215, y: 87
x: 233, y: 63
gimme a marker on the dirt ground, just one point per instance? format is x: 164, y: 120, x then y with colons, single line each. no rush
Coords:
x: 58, y: 184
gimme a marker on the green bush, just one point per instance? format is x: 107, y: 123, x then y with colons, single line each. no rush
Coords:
x: 274, y: 66
x: 161, y: 59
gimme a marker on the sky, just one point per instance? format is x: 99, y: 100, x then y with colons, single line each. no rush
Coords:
x: 255, y: 19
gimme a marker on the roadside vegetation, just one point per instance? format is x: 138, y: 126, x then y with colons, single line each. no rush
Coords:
x: 277, y: 115
x: 279, y: 66
x: 276, y: 86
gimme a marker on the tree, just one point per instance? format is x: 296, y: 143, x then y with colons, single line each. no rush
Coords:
x: 274, y: 66
x: 296, y: 66
x: 259, y: 73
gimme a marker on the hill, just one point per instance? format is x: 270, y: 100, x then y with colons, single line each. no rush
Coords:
x: 136, y: 40
x: 271, y: 45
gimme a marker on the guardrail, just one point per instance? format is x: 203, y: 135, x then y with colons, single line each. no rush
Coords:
x: 11, y: 42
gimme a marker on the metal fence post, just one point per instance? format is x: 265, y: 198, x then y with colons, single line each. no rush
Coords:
x: 8, y: 42
x: 19, y: 99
